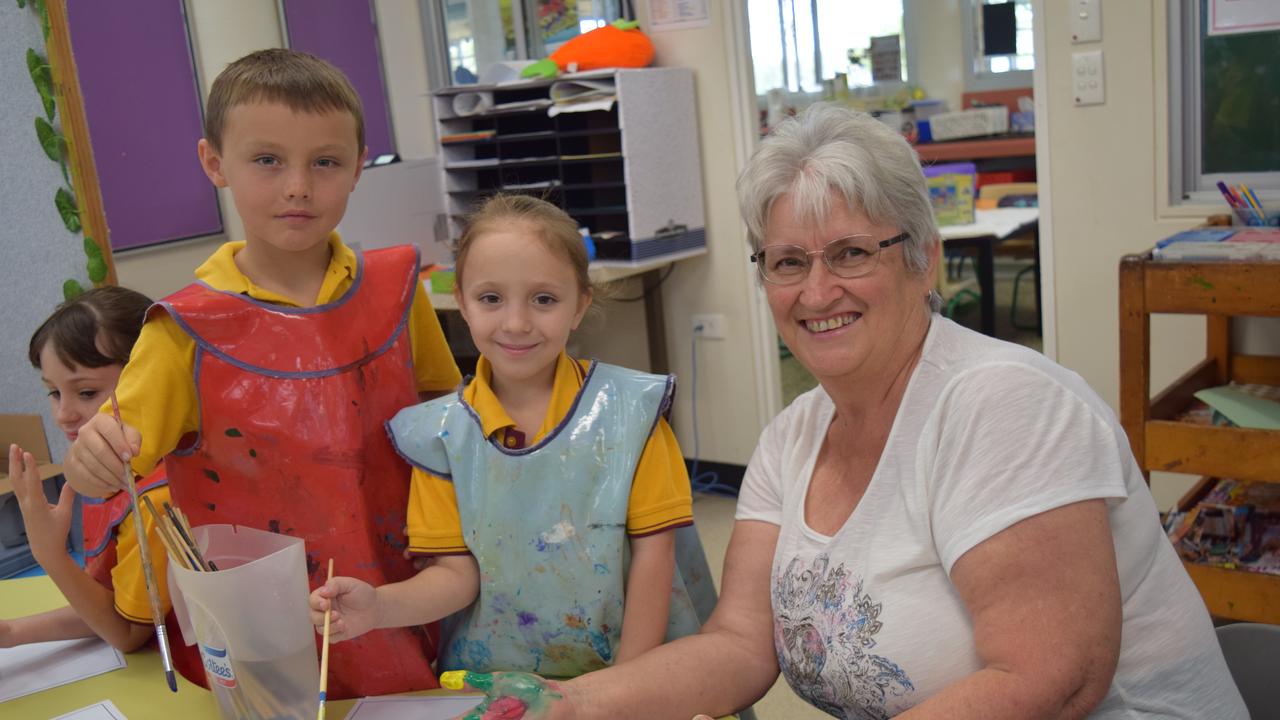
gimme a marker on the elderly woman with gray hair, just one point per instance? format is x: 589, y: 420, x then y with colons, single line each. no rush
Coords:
x: 948, y: 526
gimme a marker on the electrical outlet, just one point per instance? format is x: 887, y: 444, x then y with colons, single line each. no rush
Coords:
x: 710, y: 326
x: 1087, y: 78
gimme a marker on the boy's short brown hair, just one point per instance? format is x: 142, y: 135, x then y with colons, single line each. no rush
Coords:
x: 301, y: 81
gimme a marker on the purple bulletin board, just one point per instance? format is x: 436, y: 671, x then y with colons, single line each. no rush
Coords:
x: 143, y: 109
x: 344, y: 32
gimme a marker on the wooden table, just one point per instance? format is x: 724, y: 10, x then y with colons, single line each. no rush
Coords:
x: 990, y: 228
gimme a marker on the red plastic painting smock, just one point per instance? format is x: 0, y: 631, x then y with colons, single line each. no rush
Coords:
x: 292, y: 406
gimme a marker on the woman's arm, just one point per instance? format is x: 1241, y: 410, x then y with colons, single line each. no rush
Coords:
x: 448, y: 583
x: 648, y: 601
x: 1044, y: 597
x: 728, y: 665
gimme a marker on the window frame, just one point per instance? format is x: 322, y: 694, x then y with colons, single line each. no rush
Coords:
x: 975, y: 81
x: 1188, y: 185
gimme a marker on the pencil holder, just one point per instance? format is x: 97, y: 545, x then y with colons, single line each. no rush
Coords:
x: 252, y: 622
x: 1272, y: 220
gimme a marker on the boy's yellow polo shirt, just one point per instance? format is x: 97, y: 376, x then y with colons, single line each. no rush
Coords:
x: 661, y: 498
x: 157, y: 391
x: 128, y: 583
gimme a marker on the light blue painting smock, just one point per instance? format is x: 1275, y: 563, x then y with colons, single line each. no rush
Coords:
x: 547, y: 526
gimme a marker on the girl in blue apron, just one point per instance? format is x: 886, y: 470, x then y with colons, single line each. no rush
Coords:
x: 80, y: 350
x: 549, y: 494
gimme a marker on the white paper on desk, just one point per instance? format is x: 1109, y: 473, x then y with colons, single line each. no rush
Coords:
x: 105, y: 710
x: 584, y: 106
x: 28, y: 669
x: 425, y: 707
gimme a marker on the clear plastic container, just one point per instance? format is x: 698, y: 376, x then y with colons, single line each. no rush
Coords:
x: 252, y: 622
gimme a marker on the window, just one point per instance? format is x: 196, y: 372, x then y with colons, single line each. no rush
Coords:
x: 478, y: 33
x: 346, y: 34
x: 999, y: 44
x: 143, y: 111
x: 797, y: 44
x: 1224, y: 96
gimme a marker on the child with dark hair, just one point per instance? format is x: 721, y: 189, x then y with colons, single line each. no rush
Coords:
x: 80, y: 351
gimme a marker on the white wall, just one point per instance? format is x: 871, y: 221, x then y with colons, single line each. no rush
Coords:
x: 934, y: 30
x: 1106, y: 191
x: 722, y: 281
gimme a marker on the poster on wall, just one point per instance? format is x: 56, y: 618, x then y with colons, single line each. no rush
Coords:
x: 678, y: 14
x: 1243, y: 16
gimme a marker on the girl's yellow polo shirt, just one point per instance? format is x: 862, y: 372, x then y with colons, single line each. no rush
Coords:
x: 157, y: 390
x: 661, y: 498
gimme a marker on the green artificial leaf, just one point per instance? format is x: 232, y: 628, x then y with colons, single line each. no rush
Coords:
x: 43, y: 10
x: 42, y: 76
x: 91, y: 249
x: 66, y: 175
x: 22, y: 3
x: 66, y: 203
x: 50, y: 140
x: 71, y: 290
x: 97, y: 269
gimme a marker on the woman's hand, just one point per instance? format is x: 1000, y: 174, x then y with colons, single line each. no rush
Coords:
x: 512, y: 696
x: 47, y: 525
x: 355, y: 608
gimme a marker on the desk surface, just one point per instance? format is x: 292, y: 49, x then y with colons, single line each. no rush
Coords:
x: 601, y: 271
x: 138, y: 689
x: 999, y: 223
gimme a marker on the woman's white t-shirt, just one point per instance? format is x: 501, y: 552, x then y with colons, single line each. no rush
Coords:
x: 867, y: 623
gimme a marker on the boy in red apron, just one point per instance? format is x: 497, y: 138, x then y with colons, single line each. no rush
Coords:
x: 267, y: 381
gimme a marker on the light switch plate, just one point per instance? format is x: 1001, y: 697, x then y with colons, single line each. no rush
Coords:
x: 1086, y: 21
x: 1087, y: 84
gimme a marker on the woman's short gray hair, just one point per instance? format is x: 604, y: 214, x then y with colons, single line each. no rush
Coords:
x: 829, y: 147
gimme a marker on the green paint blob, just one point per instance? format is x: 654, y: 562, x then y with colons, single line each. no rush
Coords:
x: 232, y: 432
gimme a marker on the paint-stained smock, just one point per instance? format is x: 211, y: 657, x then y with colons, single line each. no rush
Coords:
x: 292, y: 409
x: 547, y: 527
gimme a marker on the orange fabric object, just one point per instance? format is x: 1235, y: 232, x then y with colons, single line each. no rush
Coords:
x: 605, y: 47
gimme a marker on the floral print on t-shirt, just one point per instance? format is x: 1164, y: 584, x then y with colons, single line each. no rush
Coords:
x: 824, y: 630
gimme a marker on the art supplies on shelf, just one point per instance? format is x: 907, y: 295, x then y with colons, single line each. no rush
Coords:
x: 1235, y: 526
x: 1245, y: 205
x: 1206, y: 244
x: 463, y: 137
x: 952, y: 191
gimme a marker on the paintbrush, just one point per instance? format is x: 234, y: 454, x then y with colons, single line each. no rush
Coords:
x: 324, y: 651
x: 148, y: 572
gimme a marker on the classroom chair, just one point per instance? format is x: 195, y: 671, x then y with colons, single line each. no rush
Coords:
x: 1252, y: 651
x: 956, y: 290
x: 1020, y: 247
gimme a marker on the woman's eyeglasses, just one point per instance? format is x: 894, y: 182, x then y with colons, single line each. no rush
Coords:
x: 847, y: 257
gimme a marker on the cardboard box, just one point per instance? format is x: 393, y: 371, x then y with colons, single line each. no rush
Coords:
x: 28, y: 432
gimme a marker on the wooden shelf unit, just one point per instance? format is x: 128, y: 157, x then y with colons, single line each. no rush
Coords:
x: 1219, y: 291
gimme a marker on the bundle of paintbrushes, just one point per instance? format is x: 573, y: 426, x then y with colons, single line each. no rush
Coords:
x: 175, y: 533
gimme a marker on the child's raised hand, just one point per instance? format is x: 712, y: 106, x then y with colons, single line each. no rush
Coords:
x: 355, y: 608
x: 95, y: 463
x: 47, y: 525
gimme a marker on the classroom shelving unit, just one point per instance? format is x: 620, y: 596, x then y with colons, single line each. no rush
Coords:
x: 628, y: 170
x: 1161, y: 440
